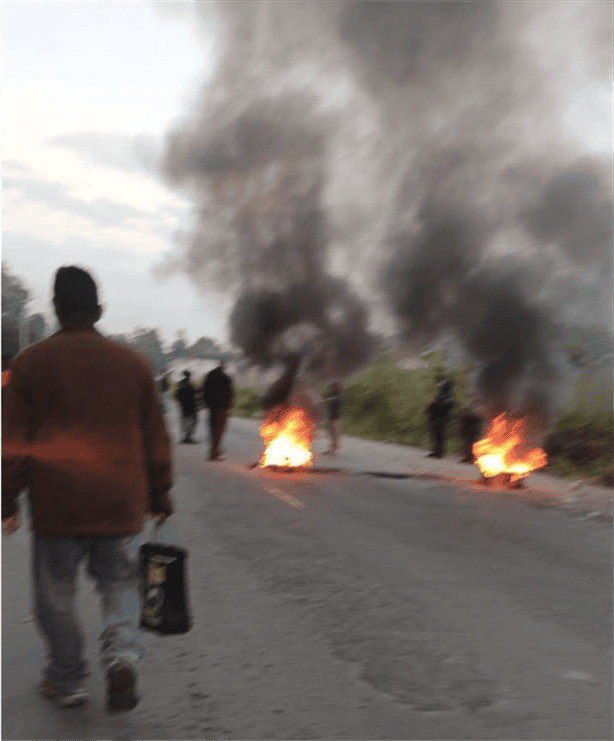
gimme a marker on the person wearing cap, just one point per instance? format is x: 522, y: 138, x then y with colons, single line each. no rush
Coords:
x: 186, y: 397
x: 83, y: 432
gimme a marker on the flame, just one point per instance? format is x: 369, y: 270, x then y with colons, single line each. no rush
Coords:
x: 505, y: 450
x: 287, y: 435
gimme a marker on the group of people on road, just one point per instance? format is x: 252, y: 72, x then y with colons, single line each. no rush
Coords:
x: 95, y: 402
x: 216, y: 394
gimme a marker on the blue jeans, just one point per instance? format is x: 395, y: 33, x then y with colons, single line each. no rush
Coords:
x: 113, y: 563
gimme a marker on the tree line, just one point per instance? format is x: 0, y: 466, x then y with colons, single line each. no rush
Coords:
x: 148, y: 342
x: 33, y: 327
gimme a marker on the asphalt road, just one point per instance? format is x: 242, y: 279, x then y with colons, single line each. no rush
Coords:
x: 341, y: 606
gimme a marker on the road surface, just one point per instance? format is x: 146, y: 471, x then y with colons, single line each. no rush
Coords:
x: 349, y: 606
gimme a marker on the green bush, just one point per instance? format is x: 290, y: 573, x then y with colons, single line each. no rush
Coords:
x: 388, y: 404
x: 581, y: 442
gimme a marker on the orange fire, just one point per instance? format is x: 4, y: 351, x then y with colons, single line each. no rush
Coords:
x: 505, y: 450
x: 287, y: 435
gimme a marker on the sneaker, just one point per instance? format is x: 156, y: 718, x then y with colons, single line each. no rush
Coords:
x: 64, y: 699
x: 121, y: 687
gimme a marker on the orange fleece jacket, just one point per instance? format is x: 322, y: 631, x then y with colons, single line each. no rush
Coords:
x: 83, y: 431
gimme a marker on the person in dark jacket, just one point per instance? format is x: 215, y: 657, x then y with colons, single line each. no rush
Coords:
x: 438, y: 413
x: 470, y: 430
x: 83, y: 433
x: 217, y: 394
x: 186, y: 397
x: 333, y: 403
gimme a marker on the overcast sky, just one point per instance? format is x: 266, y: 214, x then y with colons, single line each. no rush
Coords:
x: 89, y: 89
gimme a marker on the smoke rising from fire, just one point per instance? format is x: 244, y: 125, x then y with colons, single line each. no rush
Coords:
x: 258, y: 173
x: 412, y: 150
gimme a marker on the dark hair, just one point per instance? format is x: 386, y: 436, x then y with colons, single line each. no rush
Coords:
x: 75, y: 292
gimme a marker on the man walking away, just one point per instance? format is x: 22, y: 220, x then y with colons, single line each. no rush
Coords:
x: 470, y: 429
x: 186, y: 397
x: 333, y: 403
x: 217, y: 395
x: 84, y: 433
x: 438, y: 412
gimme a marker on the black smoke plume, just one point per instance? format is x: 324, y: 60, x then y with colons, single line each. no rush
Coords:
x: 416, y: 149
x: 484, y: 233
x: 262, y: 229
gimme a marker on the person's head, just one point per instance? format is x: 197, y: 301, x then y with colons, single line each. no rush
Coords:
x: 186, y: 375
x: 447, y: 386
x: 336, y: 387
x: 75, y: 297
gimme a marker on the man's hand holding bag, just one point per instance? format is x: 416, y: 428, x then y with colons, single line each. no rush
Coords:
x: 164, y: 584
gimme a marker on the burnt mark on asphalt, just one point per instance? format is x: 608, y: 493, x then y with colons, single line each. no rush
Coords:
x: 289, y: 470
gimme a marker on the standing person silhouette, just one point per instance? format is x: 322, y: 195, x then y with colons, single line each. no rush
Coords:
x: 217, y: 395
x: 186, y: 397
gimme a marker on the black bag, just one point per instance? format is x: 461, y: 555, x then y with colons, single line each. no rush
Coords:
x: 163, y: 588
